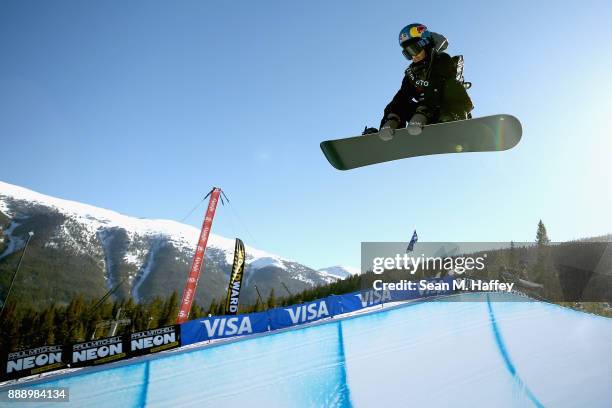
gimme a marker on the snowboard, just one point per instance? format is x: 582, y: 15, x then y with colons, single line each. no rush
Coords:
x: 486, y: 134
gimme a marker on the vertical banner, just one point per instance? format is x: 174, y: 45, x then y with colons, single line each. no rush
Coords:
x: 233, y: 290
x: 413, y: 241
x: 198, y: 258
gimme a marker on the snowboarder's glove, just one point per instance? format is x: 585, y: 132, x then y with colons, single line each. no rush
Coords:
x: 369, y: 131
x: 392, y: 122
x: 416, y: 123
x: 388, y: 129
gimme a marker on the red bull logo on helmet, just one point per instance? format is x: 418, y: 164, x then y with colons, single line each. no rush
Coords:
x: 417, y: 31
x: 412, y: 31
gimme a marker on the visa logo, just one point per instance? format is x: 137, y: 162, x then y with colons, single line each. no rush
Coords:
x: 307, y: 313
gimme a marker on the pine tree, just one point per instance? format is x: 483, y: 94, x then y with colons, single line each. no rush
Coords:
x: 156, y: 310
x: 128, y: 306
x: 212, y: 309
x: 541, y: 235
x: 513, y: 262
x: 271, y: 302
x: 258, y: 306
x: 170, y: 310
x: 220, y: 309
x: 196, y: 311
x: 46, y: 325
x: 10, y: 327
x: 137, y: 317
x: 544, y: 271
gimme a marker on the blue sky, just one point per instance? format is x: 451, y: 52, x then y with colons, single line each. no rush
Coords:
x: 142, y: 106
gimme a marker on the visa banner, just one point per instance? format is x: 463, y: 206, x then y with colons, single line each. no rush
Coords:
x: 300, y: 314
x: 218, y: 327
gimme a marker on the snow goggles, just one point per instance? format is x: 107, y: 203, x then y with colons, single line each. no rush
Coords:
x: 412, y: 48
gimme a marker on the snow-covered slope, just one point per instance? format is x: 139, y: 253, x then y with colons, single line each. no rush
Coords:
x: 95, y: 218
x: 151, y: 255
x: 339, y: 272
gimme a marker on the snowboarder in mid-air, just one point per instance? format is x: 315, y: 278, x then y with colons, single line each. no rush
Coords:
x: 430, y: 114
x: 433, y: 89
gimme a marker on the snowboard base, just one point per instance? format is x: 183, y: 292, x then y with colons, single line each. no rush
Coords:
x: 486, y: 134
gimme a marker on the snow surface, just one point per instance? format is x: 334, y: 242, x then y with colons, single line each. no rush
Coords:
x: 14, y: 243
x: 95, y: 218
x: 339, y: 272
x: 145, y: 269
x: 461, y: 353
x: 267, y: 261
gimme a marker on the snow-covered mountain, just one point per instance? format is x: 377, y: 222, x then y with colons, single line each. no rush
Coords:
x: 339, y: 272
x: 79, y: 248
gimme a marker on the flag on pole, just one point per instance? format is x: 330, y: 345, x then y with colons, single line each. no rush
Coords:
x: 413, y: 241
x: 198, y: 258
x: 233, y: 290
